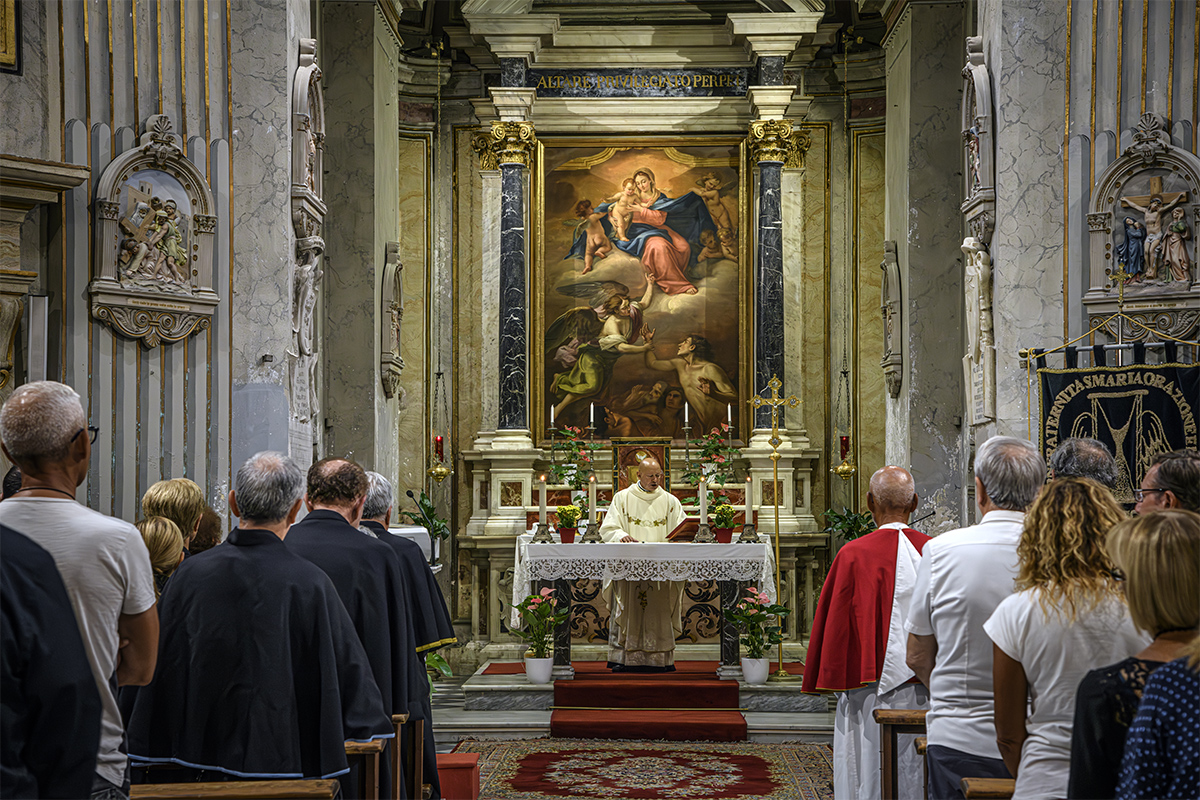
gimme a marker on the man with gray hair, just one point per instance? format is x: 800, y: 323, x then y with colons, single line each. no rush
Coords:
x: 962, y: 577
x: 263, y: 674
x: 1078, y: 457
x: 103, y: 561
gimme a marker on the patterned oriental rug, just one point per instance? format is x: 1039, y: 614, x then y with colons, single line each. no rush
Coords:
x: 542, y: 769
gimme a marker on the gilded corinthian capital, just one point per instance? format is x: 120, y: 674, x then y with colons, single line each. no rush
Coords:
x: 484, y: 147
x: 775, y: 140
x: 513, y: 142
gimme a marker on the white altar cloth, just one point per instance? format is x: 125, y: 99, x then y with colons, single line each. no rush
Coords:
x: 640, y: 561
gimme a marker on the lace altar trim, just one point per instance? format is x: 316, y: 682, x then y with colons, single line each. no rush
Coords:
x: 620, y: 569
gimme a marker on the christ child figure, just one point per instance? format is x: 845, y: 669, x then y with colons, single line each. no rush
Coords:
x: 621, y: 211
x: 710, y: 193
x: 712, y: 248
x: 598, y: 244
x: 729, y: 245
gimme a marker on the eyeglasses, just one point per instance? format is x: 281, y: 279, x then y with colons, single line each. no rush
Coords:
x: 92, y: 432
x: 1140, y: 494
x: 1117, y: 575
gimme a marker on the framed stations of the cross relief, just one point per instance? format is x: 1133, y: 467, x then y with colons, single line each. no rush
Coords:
x: 641, y: 285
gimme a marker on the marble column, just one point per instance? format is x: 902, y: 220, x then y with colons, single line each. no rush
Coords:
x: 514, y: 145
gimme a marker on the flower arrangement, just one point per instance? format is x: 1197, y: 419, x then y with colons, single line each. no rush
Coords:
x: 722, y: 513
x: 753, y: 616
x: 540, y: 615
x: 577, y: 460
x: 568, y: 516
x: 715, y: 457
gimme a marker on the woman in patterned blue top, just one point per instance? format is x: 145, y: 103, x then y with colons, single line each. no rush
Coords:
x: 1162, y: 751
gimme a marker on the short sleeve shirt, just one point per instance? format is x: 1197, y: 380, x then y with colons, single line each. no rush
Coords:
x: 962, y: 577
x: 106, y: 570
x: 1162, y: 751
x: 1056, y: 653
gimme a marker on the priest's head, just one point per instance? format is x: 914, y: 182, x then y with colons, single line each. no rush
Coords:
x: 650, y: 474
x: 337, y: 484
x: 379, y: 502
x: 892, y: 496
x: 267, y: 492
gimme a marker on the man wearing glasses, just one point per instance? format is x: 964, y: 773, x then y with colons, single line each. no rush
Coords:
x: 103, y: 561
x: 1173, y: 481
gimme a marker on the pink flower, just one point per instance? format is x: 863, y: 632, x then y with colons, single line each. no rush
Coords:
x: 546, y: 591
x: 719, y: 459
x: 762, y: 598
x: 752, y: 590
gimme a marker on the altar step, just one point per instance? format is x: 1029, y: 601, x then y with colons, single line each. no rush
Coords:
x: 635, y: 723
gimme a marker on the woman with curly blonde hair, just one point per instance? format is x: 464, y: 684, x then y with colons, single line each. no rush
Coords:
x: 1066, y: 617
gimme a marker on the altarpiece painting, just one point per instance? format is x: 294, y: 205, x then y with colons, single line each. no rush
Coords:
x: 641, y: 285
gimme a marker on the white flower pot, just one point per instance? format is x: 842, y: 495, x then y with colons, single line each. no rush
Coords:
x: 755, y: 670
x: 537, y: 670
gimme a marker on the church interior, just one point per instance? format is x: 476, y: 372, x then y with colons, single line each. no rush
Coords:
x: 471, y: 246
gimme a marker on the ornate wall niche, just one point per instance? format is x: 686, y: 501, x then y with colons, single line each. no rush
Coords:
x: 391, y: 312
x: 979, y: 208
x: 1142, y: 225
x: 155, y: 221
x: 979, y: 364
x: 892, y: 310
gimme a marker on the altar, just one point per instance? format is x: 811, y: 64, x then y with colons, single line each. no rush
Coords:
x: 732, y: 566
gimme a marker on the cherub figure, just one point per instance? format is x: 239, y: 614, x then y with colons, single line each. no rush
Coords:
x: 621, y: 211
x: 712, y: 248
x: 598, y: 244
x: 729, y: 245
x: 710, y: 192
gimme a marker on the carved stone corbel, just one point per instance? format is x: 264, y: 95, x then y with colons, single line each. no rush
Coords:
x: 893, y: 321
x: 391, y: 312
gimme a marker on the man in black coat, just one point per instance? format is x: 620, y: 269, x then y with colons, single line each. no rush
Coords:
x: 261, y: 673
x: 50, y: 715
x: 368, y: 578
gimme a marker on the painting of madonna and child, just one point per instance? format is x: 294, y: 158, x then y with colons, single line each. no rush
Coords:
x: 642, y: 278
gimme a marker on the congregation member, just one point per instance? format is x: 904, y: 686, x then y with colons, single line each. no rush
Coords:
x: 12, y: 482
x: 1162, y: 751
x: 208, y: 535
x: 644, y: 621
x: 50, y: 714
x: 857, y: 646
x: 102, y: 561
x: 1079, y: 457
x: 962, y: 577
x: 1172, y: 481
x: 1066, y: 617
x: 366, y: 574
x: 1157, y: 560
x: 180, y: 501
x: 164, y: 542
x: 261, y: 674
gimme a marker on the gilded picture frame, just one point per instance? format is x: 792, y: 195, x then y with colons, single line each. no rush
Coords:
x: 681, y: 274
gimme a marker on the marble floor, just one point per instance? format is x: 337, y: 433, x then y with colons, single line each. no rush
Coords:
x: 453, y: 722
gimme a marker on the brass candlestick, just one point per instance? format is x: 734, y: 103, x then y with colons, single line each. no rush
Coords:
x: 775, y: 401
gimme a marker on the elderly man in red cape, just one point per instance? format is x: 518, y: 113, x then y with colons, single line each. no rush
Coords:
x: 858, y: 644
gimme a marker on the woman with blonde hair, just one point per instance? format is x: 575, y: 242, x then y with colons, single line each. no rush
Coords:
x: 1066, y: 617
x: 165, y: 543
x: 1157, y: 559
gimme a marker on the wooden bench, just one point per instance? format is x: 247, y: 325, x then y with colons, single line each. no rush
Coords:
x: 988, y: 788
x: 367, y: 755
x: 894, y: 722
x: 238, y: 790
x: 398, y: 722
x: 922, y: 744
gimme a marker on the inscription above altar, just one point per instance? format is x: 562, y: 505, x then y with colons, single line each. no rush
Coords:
x: 719, y: 82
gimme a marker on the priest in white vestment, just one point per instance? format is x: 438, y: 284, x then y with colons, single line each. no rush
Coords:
x: 644, y: 616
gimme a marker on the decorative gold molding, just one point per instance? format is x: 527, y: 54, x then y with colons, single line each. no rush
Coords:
x: 775, y: 140
x: 8, y: 34
x: 513, y: 142
x: 482, y: 144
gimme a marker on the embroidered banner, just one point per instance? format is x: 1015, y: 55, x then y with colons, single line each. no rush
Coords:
x: 1138, y: 411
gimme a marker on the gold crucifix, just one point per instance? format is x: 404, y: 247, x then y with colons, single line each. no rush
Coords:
x: 775, y: 401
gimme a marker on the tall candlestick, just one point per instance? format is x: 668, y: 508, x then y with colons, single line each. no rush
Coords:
x: 746, y: 499
x: 685, y: 414
x: 703, y: 488
x: 542, y: 502
x: 591, y: 499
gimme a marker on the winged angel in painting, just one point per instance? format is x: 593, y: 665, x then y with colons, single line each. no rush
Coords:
x: 587, y: 342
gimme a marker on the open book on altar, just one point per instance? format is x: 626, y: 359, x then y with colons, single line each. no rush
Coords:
x: 685, y: 531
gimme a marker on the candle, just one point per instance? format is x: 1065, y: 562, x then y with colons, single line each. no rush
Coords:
x: 746, y: 498
x: 551, y: 416
x: 437, y: 443
x: 542, y: 502
x: 591, y: 415
x: 591, y: 499
x: 685, y: 414
x: 729, y: 415
x: 703, y: 490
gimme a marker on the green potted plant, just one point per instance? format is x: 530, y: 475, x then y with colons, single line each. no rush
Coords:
x: 714, y: 459
x: 427, y: 517
x: 574, y: 458
x: 722, y: 516
x: 540, y: 615
x: 759, y: 621
x: 568, y: 522
x: 848, y: 524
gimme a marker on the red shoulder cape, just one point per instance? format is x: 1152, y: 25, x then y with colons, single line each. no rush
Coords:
x: 850, y: 628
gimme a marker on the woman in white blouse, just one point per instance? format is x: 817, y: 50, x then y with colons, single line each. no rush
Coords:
x: 1067, y: 617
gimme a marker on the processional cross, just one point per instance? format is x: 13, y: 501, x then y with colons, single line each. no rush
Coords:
x: 775, y: 401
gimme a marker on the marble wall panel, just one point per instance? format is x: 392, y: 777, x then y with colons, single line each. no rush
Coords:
x: 871, y: 415
x: 415, y: 253
x: 30, y: 100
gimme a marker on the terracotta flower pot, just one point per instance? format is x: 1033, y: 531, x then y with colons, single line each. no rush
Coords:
x: 567, y: 535
x: 724, y: 535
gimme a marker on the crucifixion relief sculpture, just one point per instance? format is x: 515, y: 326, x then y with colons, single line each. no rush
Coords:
x: 1154, y: 207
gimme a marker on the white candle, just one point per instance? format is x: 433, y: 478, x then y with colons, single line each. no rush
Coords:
x: 591, y: 500
x: 703, y: 490
x: 685, y: 415
x: 542, y: 502
x: 551, y: 416
x: 591, y: 415
x: 746, y: 498
x: 728, y: 415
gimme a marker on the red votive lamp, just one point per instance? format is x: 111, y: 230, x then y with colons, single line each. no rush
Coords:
x: 845, y: 441
x: 438, y: 448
